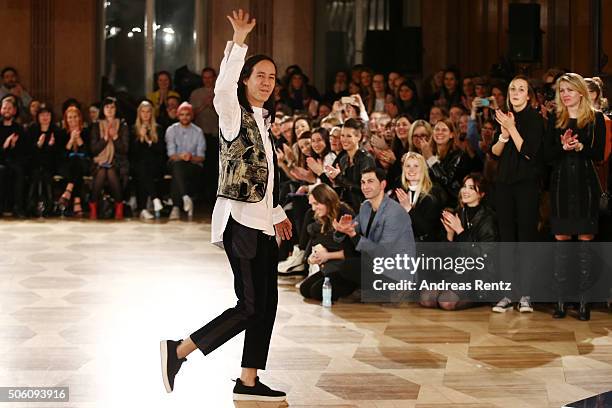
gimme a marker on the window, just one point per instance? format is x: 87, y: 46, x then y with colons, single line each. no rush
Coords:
x: 145, y: 36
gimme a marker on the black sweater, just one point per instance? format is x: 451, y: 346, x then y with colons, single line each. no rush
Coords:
x: 516, y: 166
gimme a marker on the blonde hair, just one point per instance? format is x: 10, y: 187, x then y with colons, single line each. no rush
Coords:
x: 586, y: 112
x: 417, y: 124
x: 153, y: 130
x: 425, y: 184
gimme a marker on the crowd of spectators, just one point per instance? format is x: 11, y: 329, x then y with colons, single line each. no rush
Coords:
x: 474, y: 159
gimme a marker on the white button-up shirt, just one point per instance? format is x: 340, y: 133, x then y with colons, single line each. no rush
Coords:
x: 260, y: 215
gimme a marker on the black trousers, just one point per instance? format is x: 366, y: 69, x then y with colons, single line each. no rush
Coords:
x: 517, y: 208
x: 148, y: 173
x: 73, y: 169
x: 253, y: 257
x: 183, y: 174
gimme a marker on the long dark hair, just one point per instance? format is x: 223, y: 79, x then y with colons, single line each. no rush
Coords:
x: 246, y: 72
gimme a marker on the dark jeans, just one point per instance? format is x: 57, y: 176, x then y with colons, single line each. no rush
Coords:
x: 253, y: 257
x: 184, y: 174
x: 18, y: 172
x: 148, y: 174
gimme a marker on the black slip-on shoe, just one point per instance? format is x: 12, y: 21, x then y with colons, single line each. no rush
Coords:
x: 170, y: 363
x: 259, y: 392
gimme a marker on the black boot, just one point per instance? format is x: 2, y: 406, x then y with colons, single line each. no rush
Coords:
x: 584, y: 311
x: 560, y: 265
x: 559, y: 312
x: 585, y: 280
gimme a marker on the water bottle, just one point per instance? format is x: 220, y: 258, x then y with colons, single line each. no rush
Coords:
x: 327, y: 293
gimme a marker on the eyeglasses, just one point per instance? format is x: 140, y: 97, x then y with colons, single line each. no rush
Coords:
x: 420, y: 136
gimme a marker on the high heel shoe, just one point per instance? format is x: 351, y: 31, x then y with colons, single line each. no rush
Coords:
x: 77, y: 209
x: 559, y: 312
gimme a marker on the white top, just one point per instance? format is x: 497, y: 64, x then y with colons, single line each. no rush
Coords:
x: 261, y: 215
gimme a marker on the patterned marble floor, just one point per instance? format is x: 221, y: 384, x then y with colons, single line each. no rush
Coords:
x: 84, y: 304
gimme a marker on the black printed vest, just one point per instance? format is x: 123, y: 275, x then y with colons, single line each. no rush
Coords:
x: 243, y: 172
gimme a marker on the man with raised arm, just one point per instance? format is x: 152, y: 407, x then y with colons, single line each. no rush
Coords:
x: 246, y: 217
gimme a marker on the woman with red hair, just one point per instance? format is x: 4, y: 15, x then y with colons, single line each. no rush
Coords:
x: 74, y: 159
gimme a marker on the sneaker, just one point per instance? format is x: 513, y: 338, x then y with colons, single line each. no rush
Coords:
x: 146, y: 215
x: 524, y: 305
x: 503, y: 306
x: 170, y: 363
x: 175, y: 214
x: 259, y: 392
x: 293, y: 263
x: 188, y: 205
x: 157, y: 205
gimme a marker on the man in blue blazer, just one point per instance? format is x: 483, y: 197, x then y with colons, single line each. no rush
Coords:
x: 382, y: 228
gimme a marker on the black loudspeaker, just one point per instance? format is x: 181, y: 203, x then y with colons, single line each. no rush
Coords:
x: 524, y: 34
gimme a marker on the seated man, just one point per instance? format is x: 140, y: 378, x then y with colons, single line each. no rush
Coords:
x: 12, y: 85
x: 186, y: 149
x: 382, y: 228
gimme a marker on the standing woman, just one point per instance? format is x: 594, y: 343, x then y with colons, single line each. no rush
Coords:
x: 109, y: 147
x: 149, y: 156
x: 74, y: 159
x: 518, y: 178
x: 576, y: 140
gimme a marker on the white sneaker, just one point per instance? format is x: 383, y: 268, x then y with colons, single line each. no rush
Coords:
x: 312, y: 269
x: 293, y: 262
x: 188, y: 205
x: 503, y: 306
x: 145, y: 214
x: 133, y: 204
x: 175, y: 214
x: 524, y: 305
x: 157, y: 205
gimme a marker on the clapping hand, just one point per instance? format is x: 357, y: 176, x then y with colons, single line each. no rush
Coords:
x: 315, y: 166
x: 451, y: 222
x: 346, y: 225
x: 506, y: 120
x: 404, y: 199
x: 332, y: 172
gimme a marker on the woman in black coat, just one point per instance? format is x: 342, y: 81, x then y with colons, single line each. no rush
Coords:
x: 448, y: 165
x: 576, y: 140
x: 474, y: 222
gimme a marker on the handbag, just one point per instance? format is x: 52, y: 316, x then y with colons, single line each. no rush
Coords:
x: 604, y: 197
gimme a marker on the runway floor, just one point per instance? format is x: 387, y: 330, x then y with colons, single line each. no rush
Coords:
x: 84, y: 305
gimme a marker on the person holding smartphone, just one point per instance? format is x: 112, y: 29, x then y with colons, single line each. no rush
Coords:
x: 518, y: 178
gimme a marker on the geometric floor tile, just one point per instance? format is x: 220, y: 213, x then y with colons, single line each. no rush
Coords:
x: 409, y: 357
x: 427, y: 333
x: 351, y: 386
x: 520, y: 356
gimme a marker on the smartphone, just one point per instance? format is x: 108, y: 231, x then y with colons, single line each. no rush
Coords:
x: 484, y: 102
x: 346, y: 100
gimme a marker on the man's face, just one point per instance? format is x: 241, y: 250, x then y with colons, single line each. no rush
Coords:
x: 208, y: 79
x: 370, y: 186
x: 260, y: 84
x: 184, y: 116
x: 9, y: 79
x: 8, y: 110
x: 171, y: 107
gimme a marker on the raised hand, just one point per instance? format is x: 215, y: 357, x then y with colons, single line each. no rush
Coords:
x: 346, y: 225
x: 315, y: 166
x: 404, y: 199
x: 241, y: 25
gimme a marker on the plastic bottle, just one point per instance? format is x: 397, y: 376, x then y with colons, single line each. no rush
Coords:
x: 327, y: 293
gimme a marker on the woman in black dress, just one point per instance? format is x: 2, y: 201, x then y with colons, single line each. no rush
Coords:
x: 576, y: 139
x: 74, y: 159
